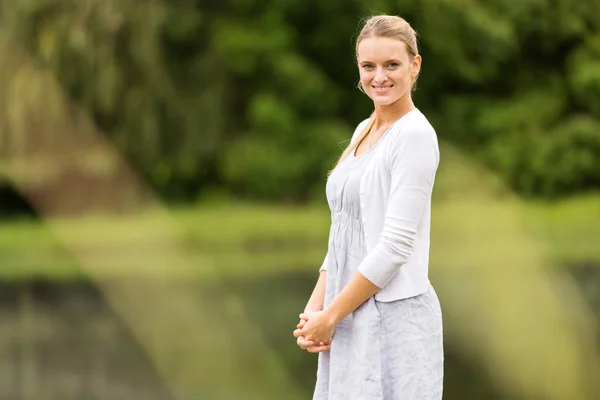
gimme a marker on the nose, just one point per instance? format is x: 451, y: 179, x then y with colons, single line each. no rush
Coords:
x: 380, y: 76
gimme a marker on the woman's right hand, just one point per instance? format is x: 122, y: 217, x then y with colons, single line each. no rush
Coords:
x: 308, y: 345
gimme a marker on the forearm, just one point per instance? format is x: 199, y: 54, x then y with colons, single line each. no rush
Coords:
x: 317, y: 298
x: 355, y: 293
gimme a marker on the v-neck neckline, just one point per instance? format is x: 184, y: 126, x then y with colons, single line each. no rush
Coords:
x: 382, y: 136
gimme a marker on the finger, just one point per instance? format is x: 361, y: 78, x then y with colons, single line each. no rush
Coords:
x: 318, y: 349
x: 299, y: 332
x: 303, y: 343
x: 317, y: 340
x: 312, y: 338
x: 301, y: 324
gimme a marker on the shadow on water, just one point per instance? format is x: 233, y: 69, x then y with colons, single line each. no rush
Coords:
x: 62, y: 341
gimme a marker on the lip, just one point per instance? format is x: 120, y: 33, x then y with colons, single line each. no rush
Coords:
x: 382, y: 89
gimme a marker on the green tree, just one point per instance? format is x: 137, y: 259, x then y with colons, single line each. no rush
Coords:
x: 258, y: 98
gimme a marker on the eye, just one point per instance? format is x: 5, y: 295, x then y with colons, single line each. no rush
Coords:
x: 393, y: 65
x: 368, y: 67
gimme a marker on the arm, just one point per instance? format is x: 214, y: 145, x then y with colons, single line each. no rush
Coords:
x: 413, y: 167
x: 315, y: 303
x: 317, y: 298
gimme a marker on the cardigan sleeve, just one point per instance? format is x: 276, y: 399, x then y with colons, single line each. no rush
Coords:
x: 413, y: 164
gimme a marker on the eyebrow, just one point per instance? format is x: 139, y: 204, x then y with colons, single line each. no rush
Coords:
x: 387, y: 61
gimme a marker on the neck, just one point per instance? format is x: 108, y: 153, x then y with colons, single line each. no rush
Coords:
x: 386, y: 115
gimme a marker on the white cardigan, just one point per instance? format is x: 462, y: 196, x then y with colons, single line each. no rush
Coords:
x: 395, y: 197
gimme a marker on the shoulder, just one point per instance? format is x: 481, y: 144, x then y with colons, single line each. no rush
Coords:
x: 414, y: 140
x: 415, y: 129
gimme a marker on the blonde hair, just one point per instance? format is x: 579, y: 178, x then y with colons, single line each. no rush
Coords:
x: 387, y: 26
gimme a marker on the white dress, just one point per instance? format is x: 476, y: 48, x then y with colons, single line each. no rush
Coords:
x: 383, y: 350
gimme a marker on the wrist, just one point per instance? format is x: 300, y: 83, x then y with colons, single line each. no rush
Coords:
x: 332, y: 315
x: 313, y: 308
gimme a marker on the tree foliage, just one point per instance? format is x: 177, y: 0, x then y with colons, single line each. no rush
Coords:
x: 257, y: 98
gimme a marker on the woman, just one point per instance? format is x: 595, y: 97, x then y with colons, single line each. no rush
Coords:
x: 373, y: 289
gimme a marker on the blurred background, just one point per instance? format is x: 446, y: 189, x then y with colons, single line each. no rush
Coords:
x: 162, y: 205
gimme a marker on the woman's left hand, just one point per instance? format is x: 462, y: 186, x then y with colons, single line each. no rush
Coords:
x: 318, y: 328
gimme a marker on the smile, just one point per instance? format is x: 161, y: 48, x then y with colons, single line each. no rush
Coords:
x: 383, y: 89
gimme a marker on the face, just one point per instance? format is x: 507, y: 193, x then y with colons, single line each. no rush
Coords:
x: 386, y: 69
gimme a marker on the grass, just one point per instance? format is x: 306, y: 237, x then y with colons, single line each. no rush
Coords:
x: 249, y: 239
x: 568, y: 230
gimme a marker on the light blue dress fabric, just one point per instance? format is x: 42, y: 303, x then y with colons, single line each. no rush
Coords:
x: 383, y: 350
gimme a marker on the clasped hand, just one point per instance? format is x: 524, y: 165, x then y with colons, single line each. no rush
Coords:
x: 314, y: 331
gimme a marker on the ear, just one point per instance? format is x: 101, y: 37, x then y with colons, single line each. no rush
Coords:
x: 416, y: 66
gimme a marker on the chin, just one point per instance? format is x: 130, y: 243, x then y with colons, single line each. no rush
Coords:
x: 385, y: 101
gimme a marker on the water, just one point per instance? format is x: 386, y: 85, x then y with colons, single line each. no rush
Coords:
x: 63, y: 341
